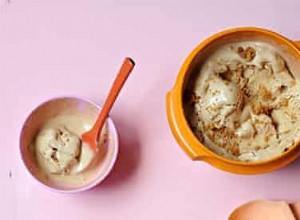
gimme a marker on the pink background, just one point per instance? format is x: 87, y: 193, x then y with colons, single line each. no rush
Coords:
x: 74, y: 47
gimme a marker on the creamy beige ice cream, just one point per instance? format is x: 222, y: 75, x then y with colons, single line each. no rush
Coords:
x: 244, y: 102
x: 59, y: 151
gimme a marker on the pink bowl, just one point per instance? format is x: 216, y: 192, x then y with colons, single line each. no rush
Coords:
x: 50, y: 109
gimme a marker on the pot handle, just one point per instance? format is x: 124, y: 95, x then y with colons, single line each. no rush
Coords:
x: 180, y: 135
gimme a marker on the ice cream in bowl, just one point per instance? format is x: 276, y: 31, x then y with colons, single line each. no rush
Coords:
x: 51, y: 147
x: 236, y: 101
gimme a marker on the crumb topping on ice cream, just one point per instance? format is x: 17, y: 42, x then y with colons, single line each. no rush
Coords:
x: 244, y: 103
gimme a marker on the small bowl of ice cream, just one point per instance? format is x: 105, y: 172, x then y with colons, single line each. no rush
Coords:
x: 52, y: 151
x: 236, y: 101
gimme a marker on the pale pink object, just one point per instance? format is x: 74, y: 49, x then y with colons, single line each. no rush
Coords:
x: 263, y: 210
x: 66, y: 106
x: 70, y: 47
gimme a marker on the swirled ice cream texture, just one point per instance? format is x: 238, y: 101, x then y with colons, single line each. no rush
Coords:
x: 244, y: 102
x: 58, y: 147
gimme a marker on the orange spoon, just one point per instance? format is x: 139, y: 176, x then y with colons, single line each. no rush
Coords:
x: 91, y: 137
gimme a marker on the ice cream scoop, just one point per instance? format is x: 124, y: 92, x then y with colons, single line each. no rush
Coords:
x: 57, y: 149
x: 91, y: 137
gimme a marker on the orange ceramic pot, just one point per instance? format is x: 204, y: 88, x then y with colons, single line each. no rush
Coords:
x: 174, y: 100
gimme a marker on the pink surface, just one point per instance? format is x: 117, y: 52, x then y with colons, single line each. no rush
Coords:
x: 75, y: 47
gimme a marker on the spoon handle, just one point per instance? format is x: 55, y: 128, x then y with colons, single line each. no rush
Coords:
x: 116, y: 87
